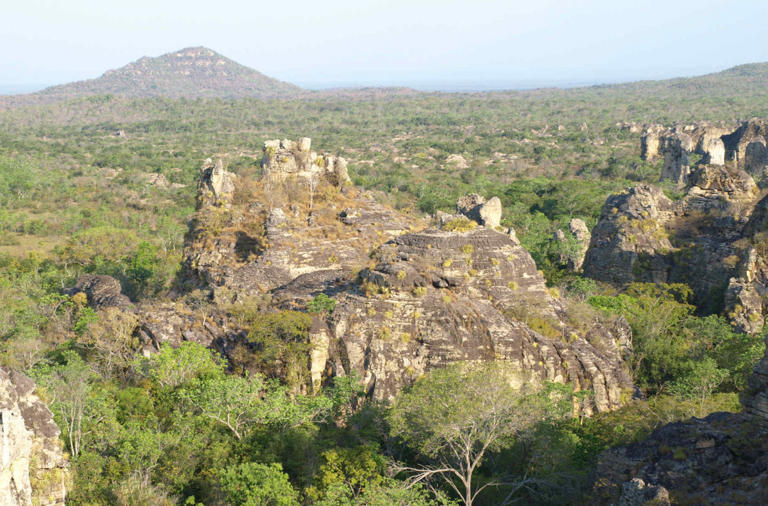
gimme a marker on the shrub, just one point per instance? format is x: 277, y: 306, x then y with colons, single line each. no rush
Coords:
x: 460, y: 224
x: 253, y: 484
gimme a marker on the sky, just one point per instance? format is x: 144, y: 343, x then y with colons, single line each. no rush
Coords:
x: 428, y: 44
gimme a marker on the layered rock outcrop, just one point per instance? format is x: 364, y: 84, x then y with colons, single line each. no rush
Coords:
x: 294, y: 158
x: 33, y: 469
x: 408, y: 298
x: 702, y: 239
x: 742, y: 146
x: 101, y: 291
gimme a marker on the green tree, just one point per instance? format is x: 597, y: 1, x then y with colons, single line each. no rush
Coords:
x: 455, y: 416
x: 174, y: 366
x: 254, y: 484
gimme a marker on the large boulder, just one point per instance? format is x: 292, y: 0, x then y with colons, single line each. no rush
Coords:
x: 629, y: 240
x: 33, y: 469
x: 650, y: 145
x: 102, y: 291
x: 216, y: 185
x: 573, y: 256
x: 714, y: 151
x: 438, y: 297
x: 475, y: 207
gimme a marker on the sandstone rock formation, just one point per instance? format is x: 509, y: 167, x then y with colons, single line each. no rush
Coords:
x: 33, y: 469
x: 650, y: 143
x: 102, y: 291
x: 474, y: 207
x: 216, y: 185
x: 677, y: 146
x: 743, y: 146
x: 629, y: 240
x: 436, y: 297
x: 573, y: 260
x: 702, y: 239
x: 407, y: 299
x: 288, y: 158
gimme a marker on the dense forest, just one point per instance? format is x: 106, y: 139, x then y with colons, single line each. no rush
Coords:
x: 106, y: 184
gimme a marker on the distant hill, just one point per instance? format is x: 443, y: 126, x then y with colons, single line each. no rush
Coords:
x: 195, y: 72
x: 747, y: 78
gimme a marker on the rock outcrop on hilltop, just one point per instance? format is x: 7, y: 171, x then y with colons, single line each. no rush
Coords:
x: 712, y: 238
x: 33, y: 469
x: 409, y: 298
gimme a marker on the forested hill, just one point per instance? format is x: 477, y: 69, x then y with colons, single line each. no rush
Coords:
x: 195, y: 72
x: 751, y: 78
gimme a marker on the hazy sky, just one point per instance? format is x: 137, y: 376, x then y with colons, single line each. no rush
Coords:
x: 482, y: 43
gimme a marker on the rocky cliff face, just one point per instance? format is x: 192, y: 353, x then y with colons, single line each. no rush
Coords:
x: 33, y: 469
x: 703, y: 239
x: 742, y: 145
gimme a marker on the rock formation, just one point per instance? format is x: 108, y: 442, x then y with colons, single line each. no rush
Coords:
x: 677, y: 146
x: 408, y: 299
x: 474, y: 207
x: 580, y: 235
x: 288, y: 158
x: 702, y: 239
x: 650, y: 143
x: 629, y: 241
x: 716, y: 241
x: 101, y: 291
x: 216, y: 185
x: 743, y: 146
x: 33, y: 469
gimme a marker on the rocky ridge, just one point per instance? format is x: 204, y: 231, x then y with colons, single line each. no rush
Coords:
x: 743, y: 145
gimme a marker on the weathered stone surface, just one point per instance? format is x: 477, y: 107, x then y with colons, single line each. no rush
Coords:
x: 102, y: 291
x: 573, y: 260
x: 714, y: 151
x: 475, y: 207
x: 700, y: 239
x: 286, y: 158
x: 736, y: 143
x: 443, y: 297
x: 636, y: 492
x: 422, y: 299
x: 677, y: 146
x: 721, y: 459
x: 756, y: 156
x: 33, y: 469
x: 216, y: 184
x: 650, y: 145
x: 631, y: 231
